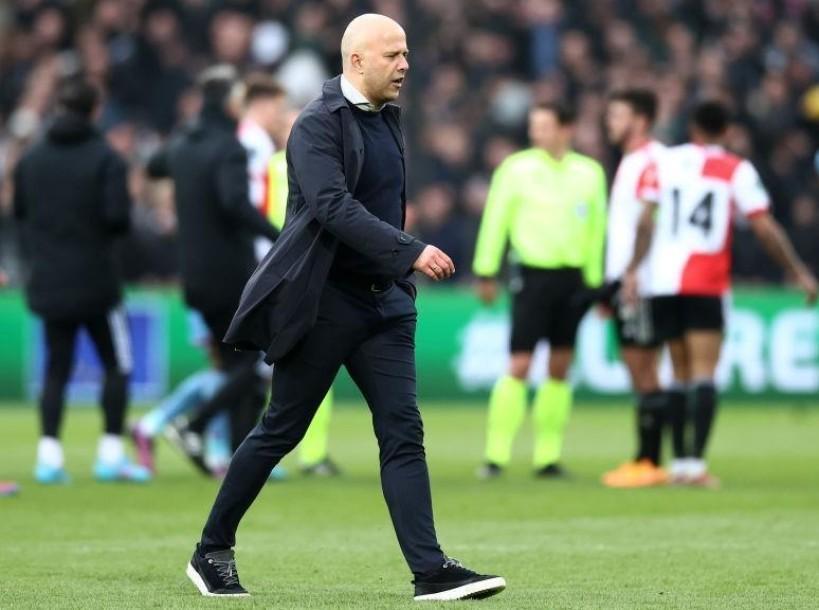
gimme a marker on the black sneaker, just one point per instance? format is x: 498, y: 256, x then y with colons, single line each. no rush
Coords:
x: 188, y: 442
x: 489, y: 471
x: 453, y: 581
x: 324, y: 468
x: 552, y: 471
x: 215, y: 575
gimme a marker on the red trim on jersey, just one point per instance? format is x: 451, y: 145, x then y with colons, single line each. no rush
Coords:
x: 757, y: 212
x: 707, y: 274
x: 721, y: 166
x: 648, y: 184
x: 710, y: 274
x: 265, y: 191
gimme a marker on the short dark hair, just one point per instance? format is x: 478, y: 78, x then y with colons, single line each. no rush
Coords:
x: 78, y: 96
x: 711, y: 117
x: 216, y: 84
x: 643, y: 102
x: 565, y: 114
x: 260, y: 85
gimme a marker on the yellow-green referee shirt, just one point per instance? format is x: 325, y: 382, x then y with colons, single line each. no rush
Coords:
x: 276, y: 204
x: 553, y: 212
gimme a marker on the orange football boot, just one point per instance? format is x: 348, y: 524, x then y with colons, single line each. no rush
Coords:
x: 632, y: 475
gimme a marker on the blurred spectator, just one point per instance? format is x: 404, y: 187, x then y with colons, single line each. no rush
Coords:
x: 805, y: 228
x: 435, y: 221
x: 476, y: 66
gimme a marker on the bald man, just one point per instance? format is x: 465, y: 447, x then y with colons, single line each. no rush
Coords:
x: 337, y: 289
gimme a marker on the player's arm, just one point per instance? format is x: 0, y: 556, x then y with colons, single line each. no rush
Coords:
x: 752, y: 199
x: 648, y: 192
x: 779, y: 247
x: 493, y: 233
x: 593, y: 269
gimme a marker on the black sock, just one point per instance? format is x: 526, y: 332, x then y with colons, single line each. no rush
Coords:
x: 650, y: 410
x: 705, y: 408
x: 677, y: 415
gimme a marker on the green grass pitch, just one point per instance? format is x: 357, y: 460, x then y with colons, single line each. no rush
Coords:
x: 328, y: 544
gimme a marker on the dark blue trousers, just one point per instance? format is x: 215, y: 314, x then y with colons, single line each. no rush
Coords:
x: 373, y: 335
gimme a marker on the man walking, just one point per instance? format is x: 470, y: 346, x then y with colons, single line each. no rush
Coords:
x: 549, y: 202
x: 71, y: 196
x: 336, y: 290
x: 217, y: 224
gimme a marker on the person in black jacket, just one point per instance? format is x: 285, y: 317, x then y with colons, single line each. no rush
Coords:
x: 336, y: 290
x: 217, y: 226
x: 71, y: 197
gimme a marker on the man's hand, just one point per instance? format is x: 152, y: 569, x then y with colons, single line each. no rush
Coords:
x: 807, y: 283
x: 487, y: 288
x: 629, y: 289
x: 774, y: 240
x: 4, y: 279
x: 435, y: 264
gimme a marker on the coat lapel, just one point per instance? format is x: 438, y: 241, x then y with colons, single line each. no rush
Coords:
x: 353, y: 147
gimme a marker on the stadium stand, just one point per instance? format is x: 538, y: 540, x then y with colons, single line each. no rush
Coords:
x: 476, y: 67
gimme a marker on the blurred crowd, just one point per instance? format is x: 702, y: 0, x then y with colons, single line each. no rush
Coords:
x: 476, y: 66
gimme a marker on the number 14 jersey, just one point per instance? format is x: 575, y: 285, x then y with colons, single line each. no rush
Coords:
x: 697, y: 190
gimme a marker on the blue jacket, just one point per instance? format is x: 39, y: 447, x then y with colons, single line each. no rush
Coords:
x: 325, y: 155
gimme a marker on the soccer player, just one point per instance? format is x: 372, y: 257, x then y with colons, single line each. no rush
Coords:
x: 549, y: 202
x: 71, y: 197
x: 189, y: 395
x: 264, y: 106
x: 693, y: 192
x: 629, y: 120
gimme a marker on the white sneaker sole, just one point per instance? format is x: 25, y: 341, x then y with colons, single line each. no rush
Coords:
x: 194, y: 577
x: 474, y: 590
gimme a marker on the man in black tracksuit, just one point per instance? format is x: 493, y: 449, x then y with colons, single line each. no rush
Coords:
x: 72, y: 200
x: 217, y: 225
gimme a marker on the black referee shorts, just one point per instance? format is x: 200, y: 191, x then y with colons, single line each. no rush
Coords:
x: 676, y: 315
x: 546, y: 304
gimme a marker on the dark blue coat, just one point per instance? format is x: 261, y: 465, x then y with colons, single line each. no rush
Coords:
x: 325, y: 155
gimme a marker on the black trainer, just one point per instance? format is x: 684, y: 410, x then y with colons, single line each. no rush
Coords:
x: 489, y: 471
x: 453, y: 581
x: 552, y: 471
x: 215, y: 575
x: 189, y: 443
x: 324, y: 468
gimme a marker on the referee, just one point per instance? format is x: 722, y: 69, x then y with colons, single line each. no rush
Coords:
x: 71, y: 197
x: 549, y: 203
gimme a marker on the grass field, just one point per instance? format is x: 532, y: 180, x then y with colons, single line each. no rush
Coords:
x: 328, y: 544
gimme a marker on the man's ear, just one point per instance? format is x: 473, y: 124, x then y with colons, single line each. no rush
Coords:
x: 357, y: 61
